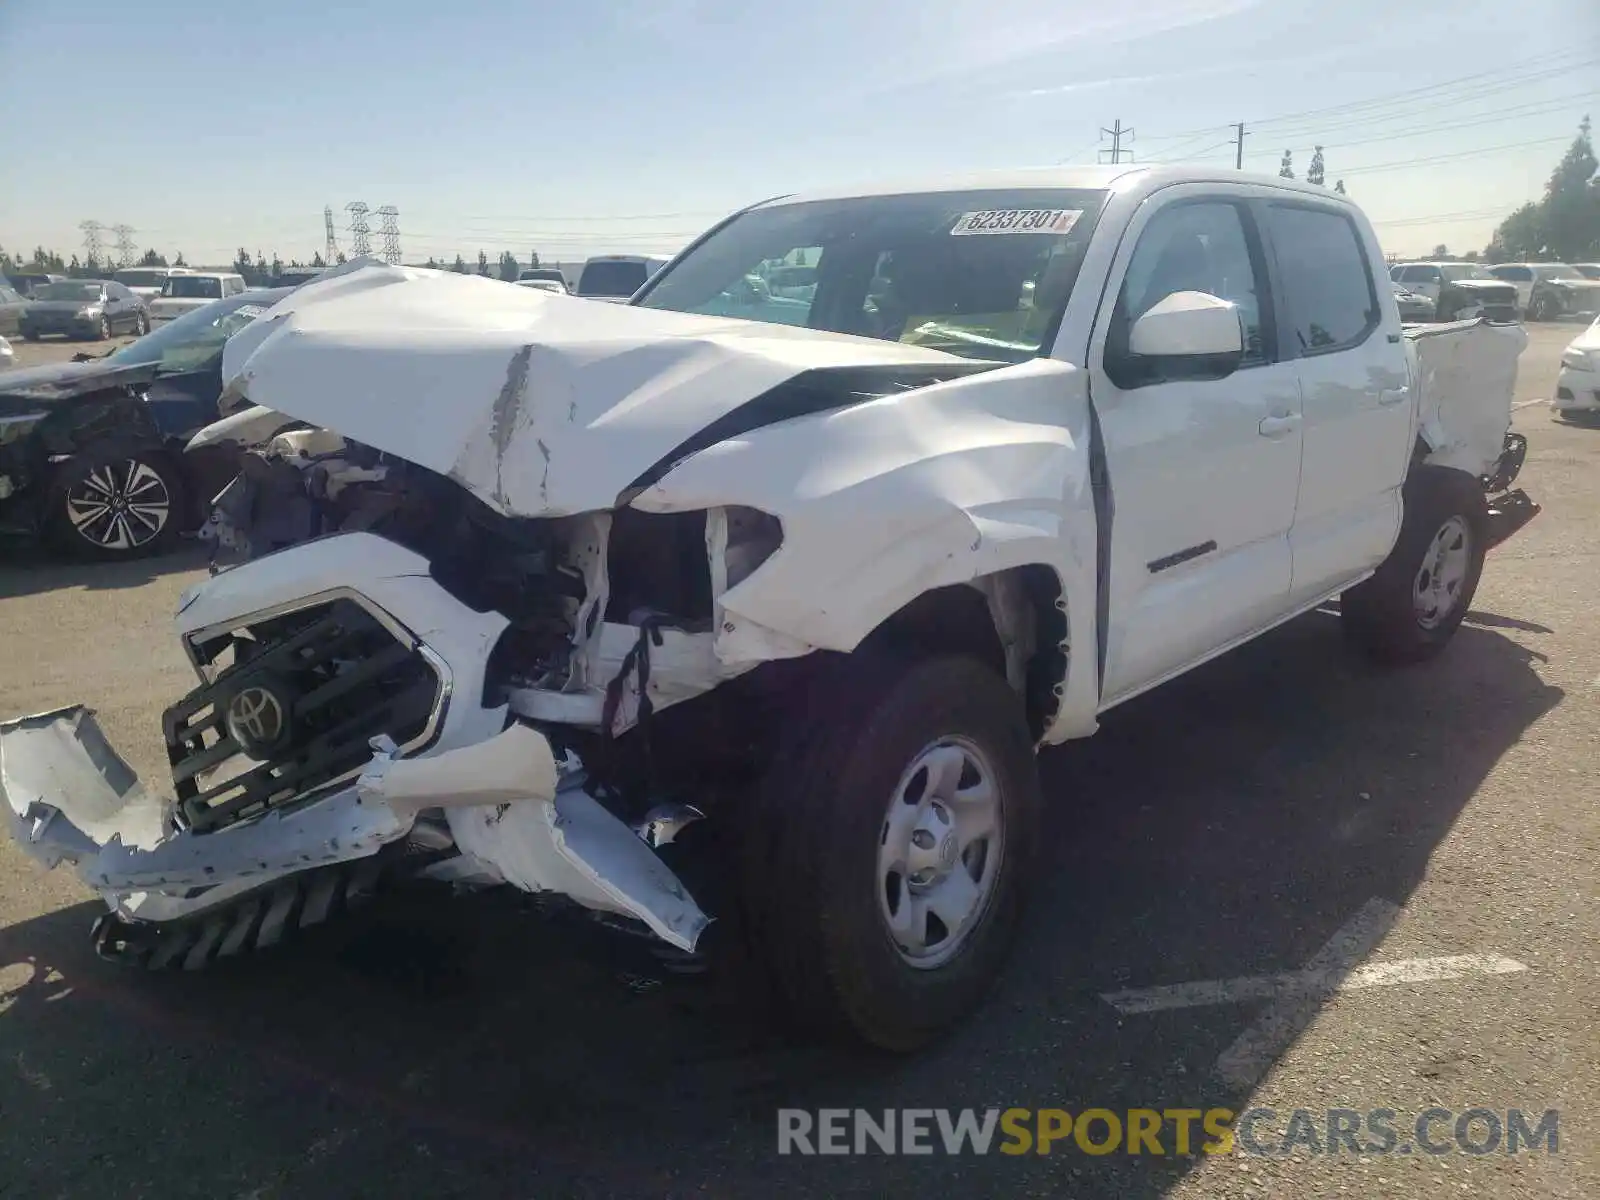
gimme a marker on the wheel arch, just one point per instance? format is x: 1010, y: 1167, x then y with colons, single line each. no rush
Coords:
x: 1016, y: 621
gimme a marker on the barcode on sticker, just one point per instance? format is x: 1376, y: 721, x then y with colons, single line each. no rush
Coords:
x: 1016, y: 220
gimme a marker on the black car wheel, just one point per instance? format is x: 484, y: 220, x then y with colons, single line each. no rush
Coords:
x: 141, y: 324
x: 31, y: 335
x: 1543, y: 308
x: 116, y: 504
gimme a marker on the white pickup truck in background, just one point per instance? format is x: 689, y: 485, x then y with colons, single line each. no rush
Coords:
x: 683, y: 615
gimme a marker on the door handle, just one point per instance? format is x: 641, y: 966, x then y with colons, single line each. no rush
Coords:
x: 1391, y: 396
x: 1278, y: 424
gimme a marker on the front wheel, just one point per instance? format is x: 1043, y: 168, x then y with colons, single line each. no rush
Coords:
x: 116, y: 504
x: 141, y: 325
x: 891, y: 848
x: 1415, y: 601
x: 103, y: 330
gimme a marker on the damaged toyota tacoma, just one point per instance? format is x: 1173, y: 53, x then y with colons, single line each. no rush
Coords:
x: 725, y: 605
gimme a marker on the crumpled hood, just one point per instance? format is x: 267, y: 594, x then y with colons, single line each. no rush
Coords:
x: 537, y: 403
x: 61, y: 381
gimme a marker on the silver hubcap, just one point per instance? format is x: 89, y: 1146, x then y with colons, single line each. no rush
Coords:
x: 939, y: 851
x: 1437, y: 590
x: 119, y: 506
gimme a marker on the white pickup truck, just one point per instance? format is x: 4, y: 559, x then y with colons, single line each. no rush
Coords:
x: 763, y: 618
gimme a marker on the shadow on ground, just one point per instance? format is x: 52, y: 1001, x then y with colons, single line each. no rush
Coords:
x: 30, y: 571
x: 1227, y: 824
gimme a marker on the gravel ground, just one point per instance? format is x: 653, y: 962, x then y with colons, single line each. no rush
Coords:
x: 1228, y: 825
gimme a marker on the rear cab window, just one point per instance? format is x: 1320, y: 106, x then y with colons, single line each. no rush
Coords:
x: 1325, y: 277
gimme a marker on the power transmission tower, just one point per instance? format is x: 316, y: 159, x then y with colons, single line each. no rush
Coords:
x: 127, y: 252
x: 330, y: 252
x: 360, y: 231
x: 1117, y: 133
x: 391, y: 234
x: 1238, y: 147
x: 91, y: 242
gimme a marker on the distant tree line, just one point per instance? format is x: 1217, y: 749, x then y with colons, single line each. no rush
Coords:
x: 1564, y: 224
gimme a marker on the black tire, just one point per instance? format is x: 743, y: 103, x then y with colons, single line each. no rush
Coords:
x: 141, y: 325
x: 31, y: 335
x: 150, y: 487
x: 1382, y: 615
x: 1543, y: 308
x: 103, y: 330
x: 810, y: 855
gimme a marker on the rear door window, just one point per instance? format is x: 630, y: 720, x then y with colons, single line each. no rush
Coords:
x: 1327, y: 286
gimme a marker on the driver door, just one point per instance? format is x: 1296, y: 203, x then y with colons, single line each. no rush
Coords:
x: 1204, y: 473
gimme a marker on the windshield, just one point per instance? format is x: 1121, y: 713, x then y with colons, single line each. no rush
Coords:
x: 1455, y: 271
x: 1558, y: 271
x: 191, y: 342
x: 614, y: 278
x: 983, y: 274
x: 550, y: 273
x: 67, y: 290
x: 193, y: 287
x: 141, y: 278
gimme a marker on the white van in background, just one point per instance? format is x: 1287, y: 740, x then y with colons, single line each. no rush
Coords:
x: 616, y: 277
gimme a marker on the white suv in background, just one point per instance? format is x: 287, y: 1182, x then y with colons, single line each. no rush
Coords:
x: 191, y: 290
x: 147, y: 282
x: 616, y: 277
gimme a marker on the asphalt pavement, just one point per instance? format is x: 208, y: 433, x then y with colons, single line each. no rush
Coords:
x: 1287, y: 807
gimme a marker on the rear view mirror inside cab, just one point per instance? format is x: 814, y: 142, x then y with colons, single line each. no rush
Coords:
x: 1185, y: 335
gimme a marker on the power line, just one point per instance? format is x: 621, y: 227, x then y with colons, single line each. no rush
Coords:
x: 1420, y: 162
x: 1516, y: 79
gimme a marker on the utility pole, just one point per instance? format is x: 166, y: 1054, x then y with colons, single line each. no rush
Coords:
x: 1238, y: 147
x: 127, y: 252
x: 360, y: 231
x: 330, y: 253
x: 390, y: 229
x: 91, y: 242
x: 1117, y: 133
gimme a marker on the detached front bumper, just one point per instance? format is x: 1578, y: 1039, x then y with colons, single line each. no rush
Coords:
x: 514, y: 818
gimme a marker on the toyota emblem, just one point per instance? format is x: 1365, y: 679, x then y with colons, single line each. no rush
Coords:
x: 256, y: 719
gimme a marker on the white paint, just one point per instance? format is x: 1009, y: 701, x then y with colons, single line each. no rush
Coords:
x: 1467, y: 373
x: 1187, y: 323
x: 1274, y: 1031
x: 1271, y: 987
x: 1522, y: 404
x: 1580, y: 373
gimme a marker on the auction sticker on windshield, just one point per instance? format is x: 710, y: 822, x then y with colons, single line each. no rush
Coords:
x: 1016, y: 220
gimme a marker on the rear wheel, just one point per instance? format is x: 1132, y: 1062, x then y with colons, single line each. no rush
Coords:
x: 116, y: 504
x: 891, y: 848
x: 1414, y: 603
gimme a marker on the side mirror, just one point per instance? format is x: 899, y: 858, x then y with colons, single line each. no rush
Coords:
x: 1189, y: 335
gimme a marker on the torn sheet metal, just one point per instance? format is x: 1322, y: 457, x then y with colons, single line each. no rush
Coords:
x: 573, y: 846
x: 539, y: 406
x: 964, y: 479
x: 1467, y: 373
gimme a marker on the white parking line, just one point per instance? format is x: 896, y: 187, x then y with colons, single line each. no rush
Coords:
x: 1527, y: 404
x: 1296, y: 995
x: 1271, y: 987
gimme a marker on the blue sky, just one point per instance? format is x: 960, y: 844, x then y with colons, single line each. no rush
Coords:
x: 617, y: 125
